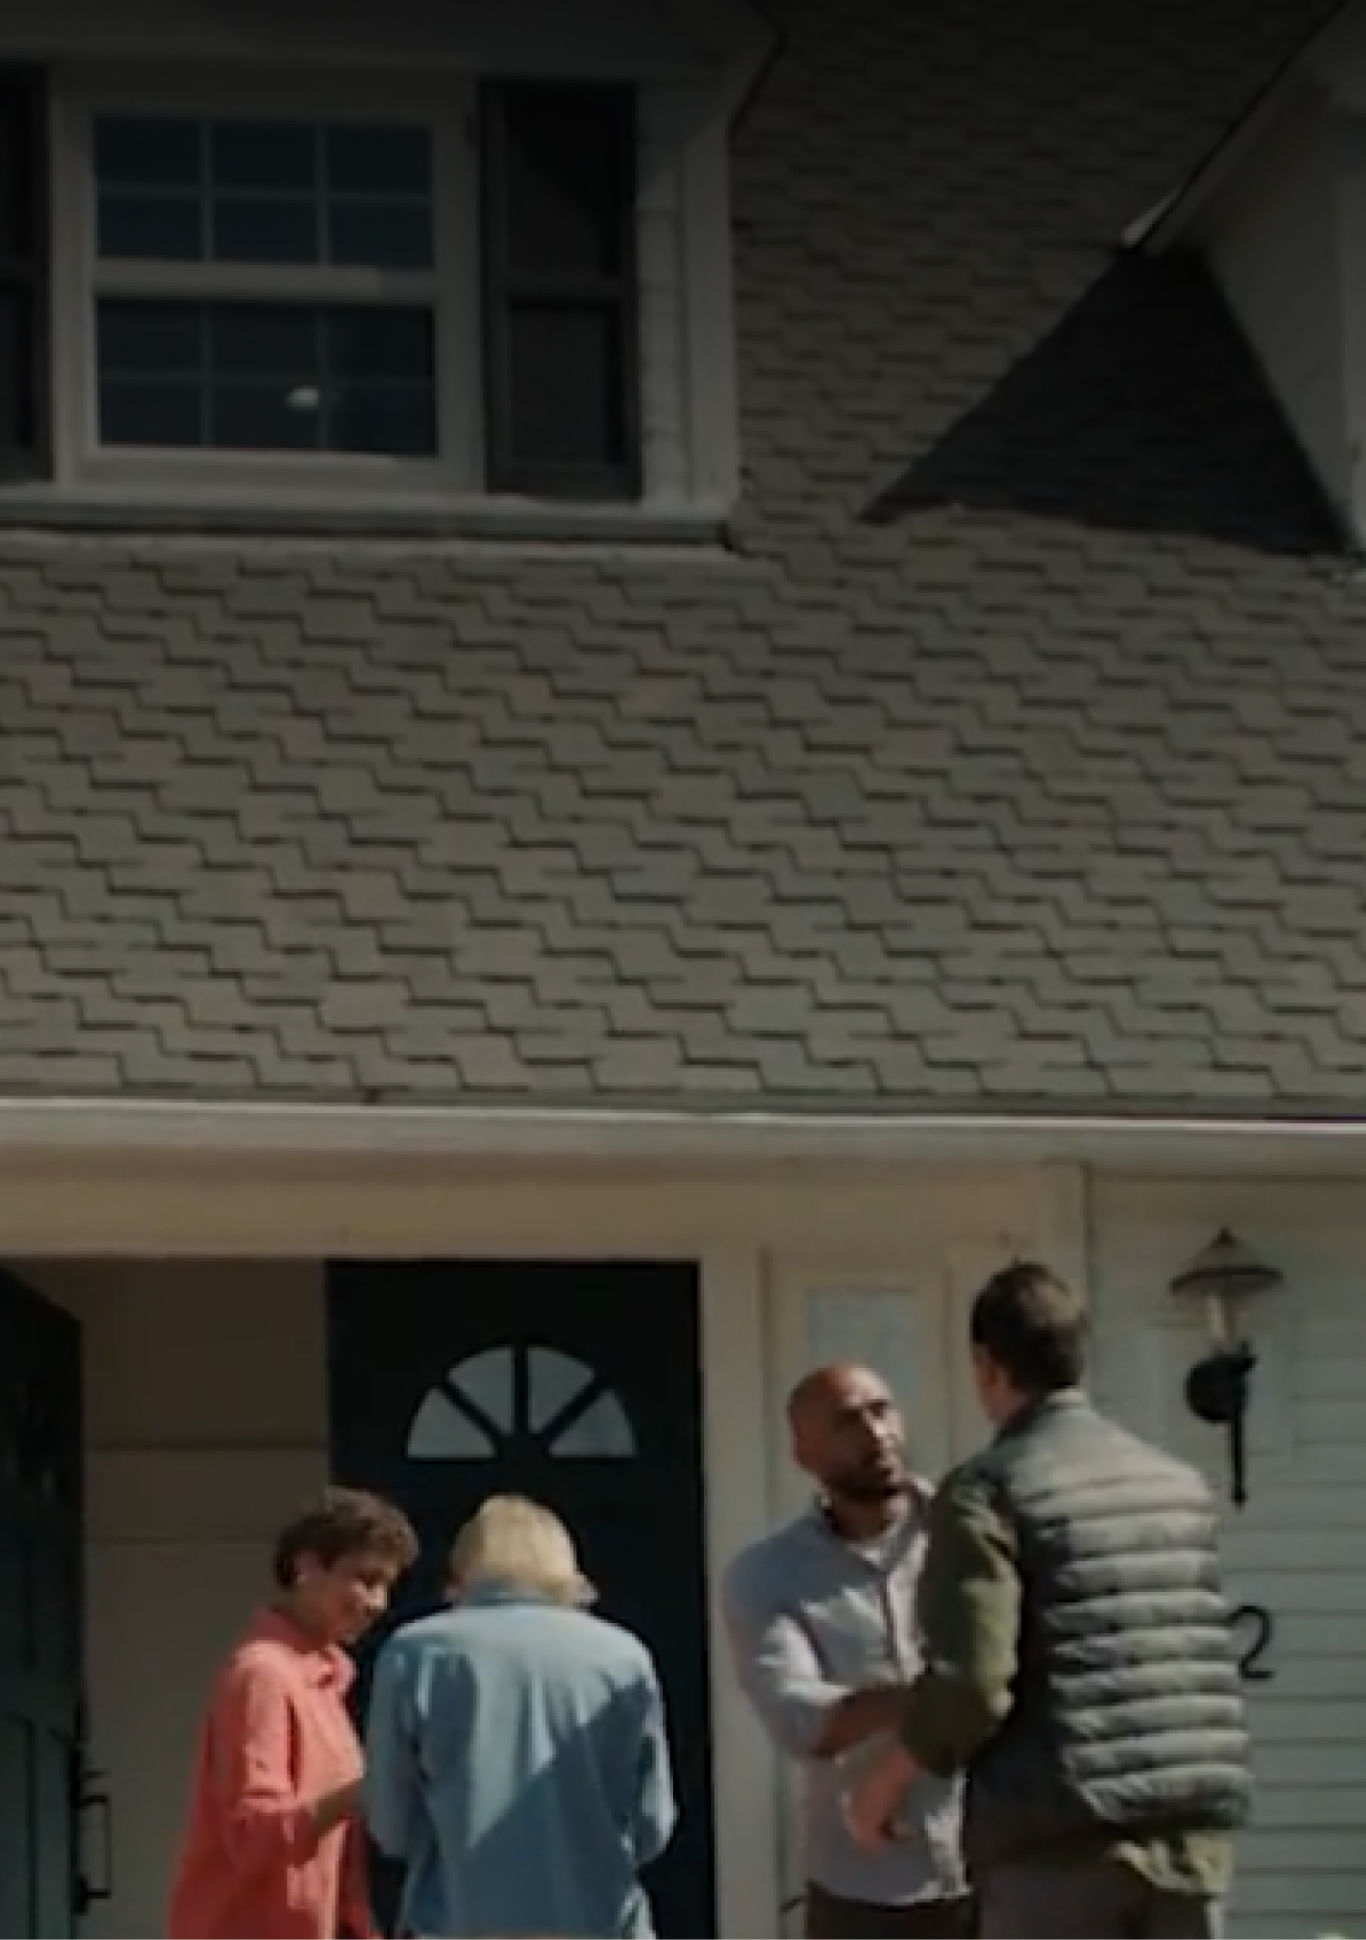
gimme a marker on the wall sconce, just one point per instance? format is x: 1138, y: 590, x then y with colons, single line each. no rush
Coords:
x: 1225, y: 1276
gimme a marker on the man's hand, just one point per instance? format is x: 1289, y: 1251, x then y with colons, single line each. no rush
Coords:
x: 871, y: 1808
x: 860, y: 1715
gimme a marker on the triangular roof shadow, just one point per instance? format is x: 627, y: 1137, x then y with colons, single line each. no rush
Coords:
x: 1143, y: 410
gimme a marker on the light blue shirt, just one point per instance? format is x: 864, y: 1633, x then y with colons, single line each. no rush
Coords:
x: 518, y: 1765
x: 811, y: 1618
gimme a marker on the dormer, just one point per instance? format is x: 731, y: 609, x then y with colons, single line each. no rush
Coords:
x: 1278, y: 214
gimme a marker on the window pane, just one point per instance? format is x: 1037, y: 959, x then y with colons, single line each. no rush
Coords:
x: 257, y: 230
x: 569, y: 178
x: 264, y: 155
x: 381, y: 364
x: 18, y: 199
x: 265, y: 340
x: 378, y: 161
x: 157, y: 228
x: 154, y: 411
x: 16, y: 372
x: 148, y: 151
x: 565, y: 371
x: 380, y: 235
x: 267, y: 377
x: 264, y: 417
x: 175, y: 190
x: 399, y: 419
x: 137, y: 338
x: 380, y: 343
x: 266, y: 392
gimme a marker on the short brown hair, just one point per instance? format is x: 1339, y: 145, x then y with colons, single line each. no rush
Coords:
x: 345, y: 1522
x: 1033, y: 1325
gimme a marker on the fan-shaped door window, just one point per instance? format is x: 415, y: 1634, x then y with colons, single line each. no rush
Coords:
x: 515, y: 1394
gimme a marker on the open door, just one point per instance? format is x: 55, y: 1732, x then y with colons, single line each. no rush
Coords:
x: 41, y: 1780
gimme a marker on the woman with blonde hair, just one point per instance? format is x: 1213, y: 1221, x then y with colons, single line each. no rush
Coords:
x: 517, y: 1750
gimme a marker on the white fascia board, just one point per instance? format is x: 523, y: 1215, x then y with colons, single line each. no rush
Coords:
x: 72, y: 1127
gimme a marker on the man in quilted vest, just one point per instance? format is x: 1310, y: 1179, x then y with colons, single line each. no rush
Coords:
x: 1079, y: 1666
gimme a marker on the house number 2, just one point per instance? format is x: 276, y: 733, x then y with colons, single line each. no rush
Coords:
x: 1255, y: 1629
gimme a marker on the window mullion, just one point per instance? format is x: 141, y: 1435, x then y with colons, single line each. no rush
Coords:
x: 206, y: 364
x: 323, y: 364
x: 263, y: 282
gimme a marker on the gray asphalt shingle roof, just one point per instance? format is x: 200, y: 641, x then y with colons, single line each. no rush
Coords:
x: 1012, y: 759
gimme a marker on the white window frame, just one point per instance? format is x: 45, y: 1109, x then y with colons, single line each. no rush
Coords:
x: 451, y: 287
x: 1350, y: 243
x: 688, y: 418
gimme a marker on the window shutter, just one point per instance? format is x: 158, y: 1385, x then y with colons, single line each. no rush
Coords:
x: 23, y: 273
x: 562, y: 377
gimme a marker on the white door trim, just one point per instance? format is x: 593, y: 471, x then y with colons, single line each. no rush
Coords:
x: 737, y: 1402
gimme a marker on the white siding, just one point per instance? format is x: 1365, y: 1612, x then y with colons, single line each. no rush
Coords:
x: 1299, y: 1547
x: 1274, y: 251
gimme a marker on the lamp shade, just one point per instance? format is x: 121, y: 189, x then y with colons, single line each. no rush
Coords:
x: 1226, y: 1269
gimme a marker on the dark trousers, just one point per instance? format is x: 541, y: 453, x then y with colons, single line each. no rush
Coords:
x: 1101, y: 1901
x: 828, y: 1917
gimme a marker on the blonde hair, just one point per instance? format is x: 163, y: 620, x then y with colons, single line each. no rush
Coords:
x: 522, y: 1546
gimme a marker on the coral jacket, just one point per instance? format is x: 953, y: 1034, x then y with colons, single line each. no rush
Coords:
x: 276, y: 1737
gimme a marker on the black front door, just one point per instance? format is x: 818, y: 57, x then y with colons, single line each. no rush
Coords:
x: 578, y: 1385
x: 40, y: 1612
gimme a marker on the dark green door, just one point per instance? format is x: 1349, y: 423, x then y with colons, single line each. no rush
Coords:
x: 40, y: 1613
x: 578, y: 1385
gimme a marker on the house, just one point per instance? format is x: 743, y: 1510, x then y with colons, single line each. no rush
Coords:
x: 671, y: 676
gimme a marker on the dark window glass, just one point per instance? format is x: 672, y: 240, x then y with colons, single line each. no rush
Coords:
x: 568, y: 181
x: 269, y: 416
x: 148, y: 152
x: 23, y: 273
x: 381, y: 344
x: 150, y: 338
x: 265, y: 340
x: 151, y: 411
x: 17, y: 401
x: 253, y: 229
x: 395, y: 418
x: 362, y: 160
x: 560, y: 289
x: 163, y: 228
x: 268, y: 377
x: 272, y: 155
x: 565, y: 384
x: 264, y: 192
x: 18, y: 172
x: 380, y: 234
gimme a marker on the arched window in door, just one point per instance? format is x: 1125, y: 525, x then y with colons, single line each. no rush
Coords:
x: 505, y: 1395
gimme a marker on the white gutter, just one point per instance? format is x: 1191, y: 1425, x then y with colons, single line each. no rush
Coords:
x: 105, y: 1128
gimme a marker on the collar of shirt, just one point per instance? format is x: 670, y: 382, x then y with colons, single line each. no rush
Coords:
x: 886, y: 1550
x: 326, y: 1666
x: 1058, y: 1402
x: 488, y: 1594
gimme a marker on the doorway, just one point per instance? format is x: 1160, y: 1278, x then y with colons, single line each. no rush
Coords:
x: 41, y: 1627
x: 578, y: 1384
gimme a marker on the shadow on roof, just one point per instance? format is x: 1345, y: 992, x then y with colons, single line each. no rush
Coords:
x: 1143, y: 410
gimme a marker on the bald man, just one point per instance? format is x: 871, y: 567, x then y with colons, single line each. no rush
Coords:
x: 821, y: 1620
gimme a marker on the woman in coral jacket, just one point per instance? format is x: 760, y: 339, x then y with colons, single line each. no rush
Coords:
x: 273, y: 1847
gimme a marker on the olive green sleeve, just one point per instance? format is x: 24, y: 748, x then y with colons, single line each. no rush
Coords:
x: 969, y: 1615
